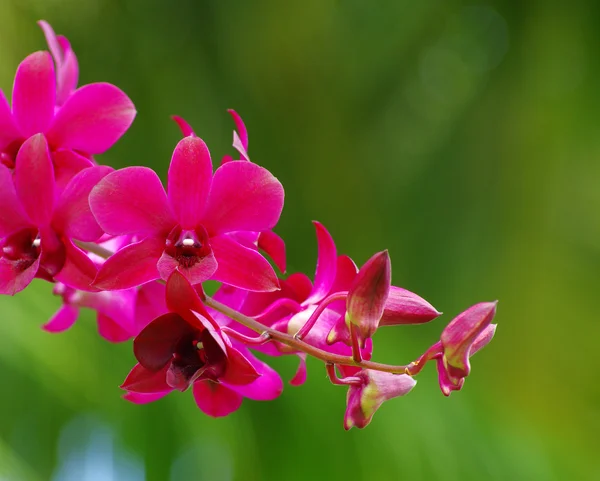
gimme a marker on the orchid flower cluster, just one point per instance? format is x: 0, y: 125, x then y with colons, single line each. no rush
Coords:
x: 119, y: 243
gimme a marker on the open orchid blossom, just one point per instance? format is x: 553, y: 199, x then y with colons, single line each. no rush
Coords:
x: 186, y: 347
x: 268, y: 241
x: 39, y: 224
x: 141, y: 256
x: 76, y: 123
x: 187, y: 229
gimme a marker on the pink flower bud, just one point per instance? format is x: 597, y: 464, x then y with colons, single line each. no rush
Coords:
x: 368, y: 295
x: 376, y: 387
x: 459, y: 336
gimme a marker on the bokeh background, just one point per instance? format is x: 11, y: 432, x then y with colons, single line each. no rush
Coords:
x: 462, y: 136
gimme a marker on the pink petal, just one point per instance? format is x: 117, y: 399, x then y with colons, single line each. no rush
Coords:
x: 131, y: 266
x: 239, y: 368
x: 300, y: 286
x: 300, y: 376
x: 92, y: 119
x: 139, y: 398
x: 53, y: 45
x: 274, y: 246
x: 34, y: 179
x: 243, y: 196
x: 9, y: 132
x: 62, y: 320
x: 242, y: 267
x: 150, y: 303
x: 199, y: 272
x: 190, y: 176
x: 185, y: 128
x: 131, y: 201
x: 345, y: 273
x: 112, y: 331
x: 13, y: 279
x: 79, y: 271
x: 266, y: 388
x: 68, y: 73
x: 326, y: 265
x: 215, y: 399
x: 34, y: 93
x: 143, y: 381
x: 12, y: 217
x: 242, y: 131
x: 66, y: 164
x: 119, y: 306
x: 405, y: 307
x: 73, y: 215
x: 155, y: 345
x: 181, y: 296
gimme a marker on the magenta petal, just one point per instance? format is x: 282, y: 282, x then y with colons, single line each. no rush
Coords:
x: 266, y: 388
x: 144, y: 381
x: 68, y: 74
x: 34, y: 93
x: 12, y: 217
x: 185, y: 128
x: 131, y: 201
x: 62, y: 320
x: 190, y: 176
x: 242, y: 133
x: 215, y: 399
x: 53, y: 45
x: 239, y: 368
x: 79, y: 271
x: 274, y: 246
x: 66, y: 164
x: 92, y: 119
x: 405, y: 307
x: 326, y: 265
x: 242, y: 267
x: 112, y: 331
x: 73, y: 215
x: 9, y: 132
x: 149, y: 304
x: 145, y: 398
x: 13, y: 279
x: 300, y: 376
x: 132, y: 266
x: 181, y: 296
x: 34, y: 179
x: 243, y: 196
x: 199, y: 272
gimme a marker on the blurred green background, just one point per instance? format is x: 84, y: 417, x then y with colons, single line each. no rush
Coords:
x: 461, y: 136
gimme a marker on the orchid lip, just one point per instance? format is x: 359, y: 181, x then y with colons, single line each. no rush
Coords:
x: 187, y: 247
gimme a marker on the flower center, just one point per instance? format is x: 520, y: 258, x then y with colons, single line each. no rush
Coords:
x: 187, y: 247
x: 22, y: 248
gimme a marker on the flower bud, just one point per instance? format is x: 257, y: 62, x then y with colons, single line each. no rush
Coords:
x: 376, y: 387
x: 405, y: 307
x: 368, y: 295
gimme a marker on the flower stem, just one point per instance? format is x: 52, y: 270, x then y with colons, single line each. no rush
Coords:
x: 308, y: 325
x: 299, y: 345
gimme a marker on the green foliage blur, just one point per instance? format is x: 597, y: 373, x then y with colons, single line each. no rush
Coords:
x: 462, y: 136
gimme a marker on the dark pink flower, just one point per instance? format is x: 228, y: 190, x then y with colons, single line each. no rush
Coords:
x: 38, y: 223
x: 77, y: 123
x: 189, y: 228
x: 374, y: 388
x: 186, y: 347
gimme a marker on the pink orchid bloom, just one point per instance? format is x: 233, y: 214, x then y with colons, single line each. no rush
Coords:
x: 186, y: 347
x: 268, y: 241
x: 77, y: 123
x: 115, y: 311
x: 189, y: 228
x: 38, y: 223
x: 374, y: 389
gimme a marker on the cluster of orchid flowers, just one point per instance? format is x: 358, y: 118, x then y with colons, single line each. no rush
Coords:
x: 117, y: 242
